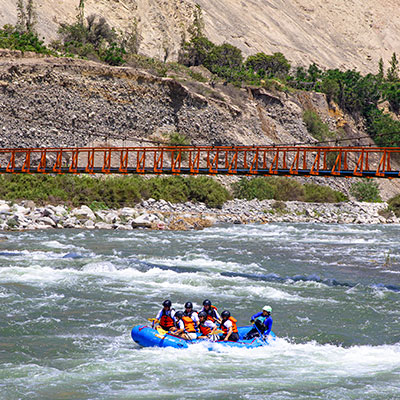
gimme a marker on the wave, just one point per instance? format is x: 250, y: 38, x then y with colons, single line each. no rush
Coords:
x: 277, y: 278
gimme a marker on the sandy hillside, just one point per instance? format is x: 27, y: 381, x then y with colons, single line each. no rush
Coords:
x: 333, y: 33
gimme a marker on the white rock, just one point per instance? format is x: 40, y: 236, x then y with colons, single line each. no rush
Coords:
x: 89, y: 224
x: 144, y: 221
x: 128, y: 212
x: 111, y: 217
x: 102, y: 225
x: 20, y: 209
x: 48, y: 221
x: 123, y: 227
x: 60, y: 210
x: 4, y: 208
x: 70, y: 223
x: 84, y: 211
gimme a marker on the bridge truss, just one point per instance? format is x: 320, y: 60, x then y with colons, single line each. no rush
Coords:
x: 207, y: 160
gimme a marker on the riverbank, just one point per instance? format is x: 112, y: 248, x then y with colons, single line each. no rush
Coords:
x: 163, y: 215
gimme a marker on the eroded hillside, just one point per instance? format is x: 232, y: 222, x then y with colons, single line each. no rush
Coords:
x: 332, y: 33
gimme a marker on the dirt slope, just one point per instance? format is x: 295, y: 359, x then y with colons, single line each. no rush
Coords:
x: 333, y: 33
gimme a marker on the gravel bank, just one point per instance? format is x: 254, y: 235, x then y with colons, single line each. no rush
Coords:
x: 152, y: 214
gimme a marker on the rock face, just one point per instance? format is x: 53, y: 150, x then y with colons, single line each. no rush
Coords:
x: 64, y: 102
x: 332, y: 33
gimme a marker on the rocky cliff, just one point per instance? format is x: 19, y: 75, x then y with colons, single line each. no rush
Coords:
x: 76, y: 102
x: 332, y: 33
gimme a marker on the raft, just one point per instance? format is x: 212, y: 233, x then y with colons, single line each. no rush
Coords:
x: 149, y: 337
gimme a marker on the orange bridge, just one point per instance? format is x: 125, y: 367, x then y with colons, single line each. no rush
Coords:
x: 209, y: 160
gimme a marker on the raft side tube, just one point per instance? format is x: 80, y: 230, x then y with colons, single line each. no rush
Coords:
x: 149, y: 337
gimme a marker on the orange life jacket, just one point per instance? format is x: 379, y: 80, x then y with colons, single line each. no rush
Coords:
x: 211, y: 314
x: 234, y: 326
x: 189, y: 324
x: 205, y: 330
x: 166, y: 321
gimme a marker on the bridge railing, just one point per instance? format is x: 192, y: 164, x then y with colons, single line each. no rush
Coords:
x: 210, y: 160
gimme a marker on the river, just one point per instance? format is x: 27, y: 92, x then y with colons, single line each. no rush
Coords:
x: 69, y: 299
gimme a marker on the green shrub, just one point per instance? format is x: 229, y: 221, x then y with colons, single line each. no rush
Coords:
x: 383, y: 128
x: 288, y: 189
x: 173, y: 189
x: 394, y: 205
x: 366, y: 190
x: 11, y: 38
x: 322, y: 194
x: 315, y: 127
x: 256, y: 188
x: 279, y: 206
x: 268, y: 65
x: 113, y: 55
x: 222, y: 57
x: 285, y: 189
x: 178, y: 139
x: 208, y: 191
x: 111, y: 192
x: 93, y: 38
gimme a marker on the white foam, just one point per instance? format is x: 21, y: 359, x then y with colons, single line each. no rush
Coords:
x: 99, y: 267
x: 204, y: 261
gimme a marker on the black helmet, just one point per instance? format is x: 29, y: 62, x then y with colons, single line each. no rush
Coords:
x: 207, y: 303
x: 188, y: 304
x: 225, y: 314
x: 167, y: 303
x: 179, y: 314
x: 202, y: 314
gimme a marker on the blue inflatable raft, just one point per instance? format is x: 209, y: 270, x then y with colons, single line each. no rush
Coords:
x: 150, y: 337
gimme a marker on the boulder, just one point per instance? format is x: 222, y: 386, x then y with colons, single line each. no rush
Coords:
x: 103, y: 225
x: 47, y: 221
x: 5, y: 208
x: 111, y: 217
x: 128, y: 212
x: 89, y: 224
x: 84, y: 211
x: 144, y: 221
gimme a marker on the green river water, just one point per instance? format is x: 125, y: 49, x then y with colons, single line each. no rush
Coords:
x: 68, y: 300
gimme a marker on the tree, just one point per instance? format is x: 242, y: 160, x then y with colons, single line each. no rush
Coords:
x: 381, y: 72
x: 314, y: 73
x: 270, y: 65
x: 393, y: 70
x: 26, y: 16
x: 197, y: 27
x: 224, y: 56
x: 391, y: 93
x: 195, y: 51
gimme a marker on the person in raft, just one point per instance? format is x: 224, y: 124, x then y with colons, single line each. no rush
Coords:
x: 262, y: 323
x: 207, y: 327
x: 185, y: 326
x: 165, y: 316
x: 229, y: 327
x: 189, y: 312
x: 211, y: 311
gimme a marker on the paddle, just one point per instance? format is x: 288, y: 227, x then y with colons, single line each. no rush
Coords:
x: 261, y: 335
x: 152, y: 320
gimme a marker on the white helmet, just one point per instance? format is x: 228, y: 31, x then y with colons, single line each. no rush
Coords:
x: 267, y: 309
